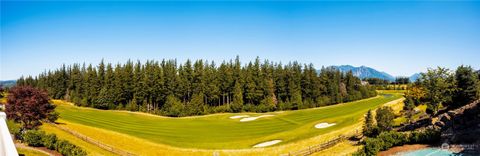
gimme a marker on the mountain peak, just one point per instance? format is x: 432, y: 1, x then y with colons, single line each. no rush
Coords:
x: 364, y: 72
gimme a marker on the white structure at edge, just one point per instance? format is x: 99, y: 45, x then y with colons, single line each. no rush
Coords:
x: 7, y: 147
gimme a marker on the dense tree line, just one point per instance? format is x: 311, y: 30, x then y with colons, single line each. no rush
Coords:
x: 400, y: 83
x: 200, y: 87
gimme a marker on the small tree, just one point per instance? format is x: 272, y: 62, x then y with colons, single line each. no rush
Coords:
x: 369, y: 126
x: 467, y: 87
x: 408, y: 107
x: 237, y: 97
x: 195, y: 106
x: 28, y: 106
x: 438, y: 84
x: 173, y: 106
x: 384, y: 117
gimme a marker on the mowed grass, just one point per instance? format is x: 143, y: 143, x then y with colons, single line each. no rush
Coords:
x: 218, y: 131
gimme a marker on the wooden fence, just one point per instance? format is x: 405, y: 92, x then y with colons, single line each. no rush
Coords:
x: 95, y: 142
x: 316, y: 148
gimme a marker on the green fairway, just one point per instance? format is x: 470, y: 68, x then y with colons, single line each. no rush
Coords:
x: 219, y: 131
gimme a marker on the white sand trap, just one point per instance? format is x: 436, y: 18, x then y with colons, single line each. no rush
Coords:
x: 254, y: 118
x: 239, y: 116
x: 324, y: 125
x: 268, y: 143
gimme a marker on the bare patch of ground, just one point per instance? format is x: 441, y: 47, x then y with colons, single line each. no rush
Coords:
x: 404, y: 148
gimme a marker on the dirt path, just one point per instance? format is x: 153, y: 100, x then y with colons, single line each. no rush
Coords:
x: 403, y: 148
x: 39, y: 149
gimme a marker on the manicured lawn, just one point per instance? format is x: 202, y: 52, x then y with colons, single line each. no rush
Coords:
x: 218, y: 131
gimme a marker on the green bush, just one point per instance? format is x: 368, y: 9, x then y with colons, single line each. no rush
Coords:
x: 50, y: 141
x: 38, y: 138
x: 221, y: 109
x: 425, y: 136
x: 14, y: 128
x: 372, y: 146
x: 392, y: 138
x: 33, y: 138
x: 66, y: 148
x: 284, y: 105
x: 52, y: 117
x: 249, y: 108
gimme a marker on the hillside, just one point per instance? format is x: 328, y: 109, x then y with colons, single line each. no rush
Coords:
x: 365, y: 72
x: 414, y: 77
x: 196, y: 132
x: 8, y: 83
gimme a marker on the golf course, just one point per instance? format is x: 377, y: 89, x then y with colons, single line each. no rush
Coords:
x: 225, y: 130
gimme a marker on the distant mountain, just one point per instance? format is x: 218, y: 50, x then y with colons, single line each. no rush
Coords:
x: 8, y: 83
x: 414, y: 77
x: 365, y: 72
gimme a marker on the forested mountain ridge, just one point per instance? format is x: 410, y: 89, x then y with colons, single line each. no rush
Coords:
x: 365, y: 72
x: 8, y: 83
x: 200, y: 87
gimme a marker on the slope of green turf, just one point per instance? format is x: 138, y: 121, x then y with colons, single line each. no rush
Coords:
x: 218, y: 131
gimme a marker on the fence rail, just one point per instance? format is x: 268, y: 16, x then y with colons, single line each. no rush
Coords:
x: 316, y: 148
x: 95, y: 142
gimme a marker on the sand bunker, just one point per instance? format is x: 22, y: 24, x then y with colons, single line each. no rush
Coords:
x: 254, y: 118
x: 268, y: 143
x: 324, y: 125
x: 239, y: 116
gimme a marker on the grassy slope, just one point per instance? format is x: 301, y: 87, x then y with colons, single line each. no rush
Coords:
x: 218, y: 131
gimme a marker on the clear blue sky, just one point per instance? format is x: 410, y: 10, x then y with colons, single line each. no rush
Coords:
x: 400, y: 38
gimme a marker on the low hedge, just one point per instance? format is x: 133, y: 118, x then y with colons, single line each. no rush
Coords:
x: 38, y: 138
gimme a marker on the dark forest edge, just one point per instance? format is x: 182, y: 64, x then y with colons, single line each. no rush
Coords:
x: 199, y: 87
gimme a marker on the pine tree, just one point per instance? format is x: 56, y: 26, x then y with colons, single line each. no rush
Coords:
x: 467, y: 86
x: 369, y: 126
x: 195, y: 107
x: 237, y: 97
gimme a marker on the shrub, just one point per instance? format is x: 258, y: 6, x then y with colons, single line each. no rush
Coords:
x: 173, y: 107
x: 222, y: 109
x: 384, y: 118
x: 52, y: 117
x: 33, y: 138
x: 426, y: 136
x: 249, y: 108
x: 14, y: 128
x: 38, y: 138
x: 372, y: 146
x: 392, y: 138
x: 66, y: 148
x: 284, y: 105
x: 50, y: 141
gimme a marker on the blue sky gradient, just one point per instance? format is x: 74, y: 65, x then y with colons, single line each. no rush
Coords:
x: 400, y: 38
